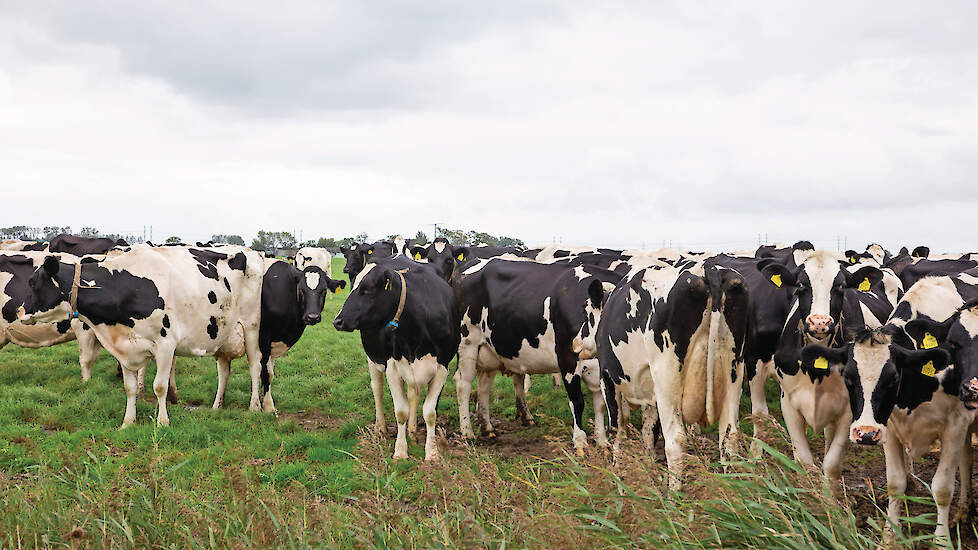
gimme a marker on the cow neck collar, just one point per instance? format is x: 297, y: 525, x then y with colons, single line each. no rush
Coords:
x: 400, y: 303
x: 73, y: 296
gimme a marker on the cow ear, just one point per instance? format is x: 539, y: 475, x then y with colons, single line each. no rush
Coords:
x: 927, y: 333
x: 863, y: 278
x: 462, y: 253
x: 852, y: 256
x: 51, y: 266
x: 335, y: 285
x: 417, y: 252
x: 927, y: 362
x: 921, y: 252
x: 904, y: 251
x: 595, y: 292
x: 777, y: 274
x: 815, y: 357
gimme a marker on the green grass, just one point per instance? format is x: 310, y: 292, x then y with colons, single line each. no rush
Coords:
x: 313, y: 477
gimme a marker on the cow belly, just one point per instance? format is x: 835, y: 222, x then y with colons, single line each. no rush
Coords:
x: 928, y: 422
x: 638, y: 390
x: 40, y: 335
x: 820, y: 403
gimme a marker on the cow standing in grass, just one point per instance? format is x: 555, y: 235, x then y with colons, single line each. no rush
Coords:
x: 158, y: 303
x: 16, y: 269
x: 409, y: 326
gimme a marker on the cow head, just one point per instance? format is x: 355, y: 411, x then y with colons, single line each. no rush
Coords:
x: 959, y: 336
x: 373, y: 300
x: 314, y: 285
x: 440, y: 255
x: 48, y: 293
x: 354, y: 260
x: 597, y: 292
x: 818, y: 280
x: 879, y: 374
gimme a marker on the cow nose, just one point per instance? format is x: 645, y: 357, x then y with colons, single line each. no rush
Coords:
x: 969, y: 394
x: 819, y: 324
x: 312, y: 318
x: 338, y: 323
x: 866, y: 435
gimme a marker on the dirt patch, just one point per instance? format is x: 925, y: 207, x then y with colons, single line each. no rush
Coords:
x: 313, y: 420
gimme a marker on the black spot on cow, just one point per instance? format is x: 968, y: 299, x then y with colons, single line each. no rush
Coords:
x: 80, y: 246
x: 207, y: 261
x: 227, y: 285
x: 212, y: 297
x: 89, y: 260
x: 64, y: 326
x: 118, y: 297
x: 86, y: 327
x: 162, y: 331
x: 239, y: 261
x: 465, y: 330
x: 166, y: 320
x: 212, y: 328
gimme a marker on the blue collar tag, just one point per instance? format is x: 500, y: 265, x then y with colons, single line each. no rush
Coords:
x: 393, y: 324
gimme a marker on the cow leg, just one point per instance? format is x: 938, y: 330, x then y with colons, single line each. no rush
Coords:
x: 729, y: 430
x: 130, y: 379
x: 401, y: 410
x: 161, y: 384
x: 575, y: 398
x: 952, y: 447
x: 88, y: 350
x: 758, y: 404
x: 650, y: 417
x: 673, y: 430
x: 521, y: 383
x: 795, y: 423
x: 223, y: 372
x: 377, y: 387
x: 896, y: 483
x: 141, y: 379
x: 486, y: 378
x: 413, y: 394
x: 464, y: 375
x: 253, y: 352
x: 430, y: 411
x: 964, y: 474
x: 267, y: 403
x: 171, y: 391
x: 835, y: 452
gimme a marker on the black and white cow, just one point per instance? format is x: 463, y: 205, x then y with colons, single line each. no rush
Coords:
x: 408, y: 323
x: 311, y: 255
x: 814, y: 394
x: 449, y: 259
x: 16, y: 269
x: 525, y: 315
x: 358, y: 254
x: 921, y: 268
x: 291, y: 300
x: 80, y: 246
x: 670, y: 341
x: 902, y: 395
x: 158, y: 303
x: 26, y: 246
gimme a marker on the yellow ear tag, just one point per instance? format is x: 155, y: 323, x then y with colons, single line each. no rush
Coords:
x: 417, y: 255
x: 370, y: 251
x: 776, y: 279
x: 821, y: 363
x: 864, y: 286
x: 852, y: 259
x: 387, y: 286
x: 929, y: 341
x: 928, y: 369
x: 461, y: 257
x: 337, y: 290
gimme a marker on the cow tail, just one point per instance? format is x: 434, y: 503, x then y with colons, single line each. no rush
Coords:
x: 711, y: 352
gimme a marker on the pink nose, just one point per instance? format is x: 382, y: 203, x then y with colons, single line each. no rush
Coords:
x: 819, y: 324
x: 866, y: 435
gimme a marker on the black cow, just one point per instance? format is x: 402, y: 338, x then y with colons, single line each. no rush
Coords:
x: 358, y: 254
x: 409, y: 327
x: 917, y: 270
x: 291, y: 300
x: 449, y: 259
x: 527, y: 314
x: 80, y: 246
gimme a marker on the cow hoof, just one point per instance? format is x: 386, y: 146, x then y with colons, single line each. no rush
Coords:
x: 433, y: 457
x: 491, y: 434
x: 580, y: 451
x: 172, y: 399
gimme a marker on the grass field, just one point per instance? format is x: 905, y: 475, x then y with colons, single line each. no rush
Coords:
x: 313, y: 476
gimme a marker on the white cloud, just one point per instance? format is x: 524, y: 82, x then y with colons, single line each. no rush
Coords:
x: 617, y: 124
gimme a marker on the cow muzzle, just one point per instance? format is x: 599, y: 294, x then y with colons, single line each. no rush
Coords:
x: 819, y: 325
x: 24, y: 318
x: 969, y: 394
x: 311, y: 318
x: 340, y: 325
x: 867, y: 435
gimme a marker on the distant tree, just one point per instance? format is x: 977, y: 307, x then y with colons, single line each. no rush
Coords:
x: 420, y: 238
x: 173, y: 240
x: 510, y: 241
x: 53, y: 231
x: 228, y: 239
x: 89, y: 232
x: 345, y: 242
x: 267, y: 240
x: 455, y: 236
x: 361, y: 237
x: 326, y: 242
x: 19, y: 232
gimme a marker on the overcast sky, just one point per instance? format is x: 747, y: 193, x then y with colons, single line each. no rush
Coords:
x: 610, y: 123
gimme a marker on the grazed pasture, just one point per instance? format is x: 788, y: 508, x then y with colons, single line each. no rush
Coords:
x: 312, y: 476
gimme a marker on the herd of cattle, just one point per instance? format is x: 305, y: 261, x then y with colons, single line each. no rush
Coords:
x: 868, y: 347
